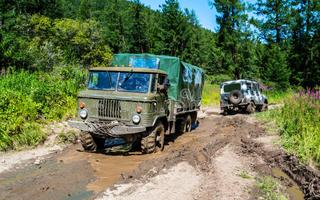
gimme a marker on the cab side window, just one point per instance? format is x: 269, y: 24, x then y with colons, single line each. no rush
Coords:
x: 161, y: 79
x: 153, y: 83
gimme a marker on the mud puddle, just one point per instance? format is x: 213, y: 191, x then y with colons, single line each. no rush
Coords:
x: 301, y: 181
x: 292, y: 188
x: 68, y: 175
x: 73, y: 174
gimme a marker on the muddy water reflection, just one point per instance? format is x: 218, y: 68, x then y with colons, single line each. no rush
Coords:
x: 293, y: 189
x: 107, y: 168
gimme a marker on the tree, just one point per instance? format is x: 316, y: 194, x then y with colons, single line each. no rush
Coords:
x: 139, y: 27
x: 174, y: 27
x: 117, y: 25
x: 230, y: 18
x: 274, y: 19
x: 304, y: 27
x: 275, y: 67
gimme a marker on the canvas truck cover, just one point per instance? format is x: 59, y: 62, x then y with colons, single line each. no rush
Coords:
x: 186, y: 80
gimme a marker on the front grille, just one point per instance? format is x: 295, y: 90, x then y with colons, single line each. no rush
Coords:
x: 109, y: 108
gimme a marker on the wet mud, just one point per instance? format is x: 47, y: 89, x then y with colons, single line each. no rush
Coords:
x: 72, y: 174
x: 302, y: 181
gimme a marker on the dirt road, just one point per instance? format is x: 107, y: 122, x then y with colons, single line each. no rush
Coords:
x: 221, y: 159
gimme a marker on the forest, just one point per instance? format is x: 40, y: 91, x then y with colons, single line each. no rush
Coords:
x: 274, y: 41
x: 46, y: 46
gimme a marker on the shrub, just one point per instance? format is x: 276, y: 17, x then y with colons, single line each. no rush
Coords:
x: 211, y: 94
x: 26, y: 100
x: 299, y: 122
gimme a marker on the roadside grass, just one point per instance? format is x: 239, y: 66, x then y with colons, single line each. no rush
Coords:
x: 299, y: 127
x: 245, y: 175
x: 278, y: 97
x: 28, y: 100
x: 211, y: 95
x: 269, y: 188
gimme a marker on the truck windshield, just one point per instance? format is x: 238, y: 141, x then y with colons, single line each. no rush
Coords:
x: 231, y: 87
x: 134, y: 82
x: 121, y: 81
x: 102, y: 80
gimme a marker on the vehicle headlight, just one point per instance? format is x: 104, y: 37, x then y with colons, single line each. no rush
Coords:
x: 83, y: 114
x: 136, y: 119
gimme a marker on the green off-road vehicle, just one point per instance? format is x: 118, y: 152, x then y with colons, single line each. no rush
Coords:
x: 138, y: 100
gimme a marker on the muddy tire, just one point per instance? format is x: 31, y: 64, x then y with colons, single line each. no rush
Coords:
x: 154, y: 141
x: 264, y: 107
x: 188, y: 124
x: 251, y: 108
x: 88, y: 142
x: 180, y: 126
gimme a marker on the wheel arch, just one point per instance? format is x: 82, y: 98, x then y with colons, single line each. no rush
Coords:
x: 163, y: 120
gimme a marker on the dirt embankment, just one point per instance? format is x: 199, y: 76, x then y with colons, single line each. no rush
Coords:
x: 218, y: 160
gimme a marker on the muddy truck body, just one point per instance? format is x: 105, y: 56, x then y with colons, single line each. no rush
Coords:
x: 138, y: 101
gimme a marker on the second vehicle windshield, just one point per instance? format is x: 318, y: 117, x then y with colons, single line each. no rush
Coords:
x: 121, y: 81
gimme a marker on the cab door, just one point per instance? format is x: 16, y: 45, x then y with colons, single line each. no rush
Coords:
x: 161, y: 94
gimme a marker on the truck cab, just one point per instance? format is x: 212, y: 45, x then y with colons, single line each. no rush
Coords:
x: 122, y: 103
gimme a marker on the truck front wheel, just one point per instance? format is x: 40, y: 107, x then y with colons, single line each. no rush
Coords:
x: 154, y: 140
x: 88, y: 142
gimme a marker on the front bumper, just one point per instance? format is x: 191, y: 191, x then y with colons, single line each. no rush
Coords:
x: 113, y: 129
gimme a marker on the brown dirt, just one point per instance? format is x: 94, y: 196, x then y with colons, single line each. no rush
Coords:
x: 218, y: 152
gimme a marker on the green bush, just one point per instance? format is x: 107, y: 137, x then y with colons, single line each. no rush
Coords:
x: 277, y: 96
x: 210, y: 94
x: 218, y: 79
x: 26, y: 100
x: 299, y: 122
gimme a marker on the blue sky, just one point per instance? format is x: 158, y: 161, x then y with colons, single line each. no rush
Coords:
x: 205, y: 14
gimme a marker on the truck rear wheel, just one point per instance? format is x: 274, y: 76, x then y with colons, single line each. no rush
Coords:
x: 188, y: 124
x: 88, y: 142
x: 154, y: 141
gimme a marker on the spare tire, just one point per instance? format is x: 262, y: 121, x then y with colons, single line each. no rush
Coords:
x: 235, y: 97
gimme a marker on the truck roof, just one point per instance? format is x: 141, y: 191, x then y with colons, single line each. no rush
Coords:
x: 129, y: 69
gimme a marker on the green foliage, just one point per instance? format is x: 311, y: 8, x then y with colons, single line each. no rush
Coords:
x: 275, y: 68
x: 28, y: 99
x: 218, y: 79
x: 270, y: 189
x: 299, y: 122
x: 278, y: 96
x: 211, y: 94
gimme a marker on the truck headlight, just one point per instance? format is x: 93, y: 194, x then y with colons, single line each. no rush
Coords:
x: 83, y: 114
x: 136, y: 119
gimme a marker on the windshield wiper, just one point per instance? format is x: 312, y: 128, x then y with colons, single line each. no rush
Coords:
x: 127, y: 78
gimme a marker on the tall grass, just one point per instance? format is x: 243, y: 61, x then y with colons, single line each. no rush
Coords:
x: 278, y: 97
x: 210, y: 94
x: 29, y: 99
x: 299, y: 123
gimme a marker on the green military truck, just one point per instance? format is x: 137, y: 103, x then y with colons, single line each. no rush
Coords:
x: 138, y: 100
